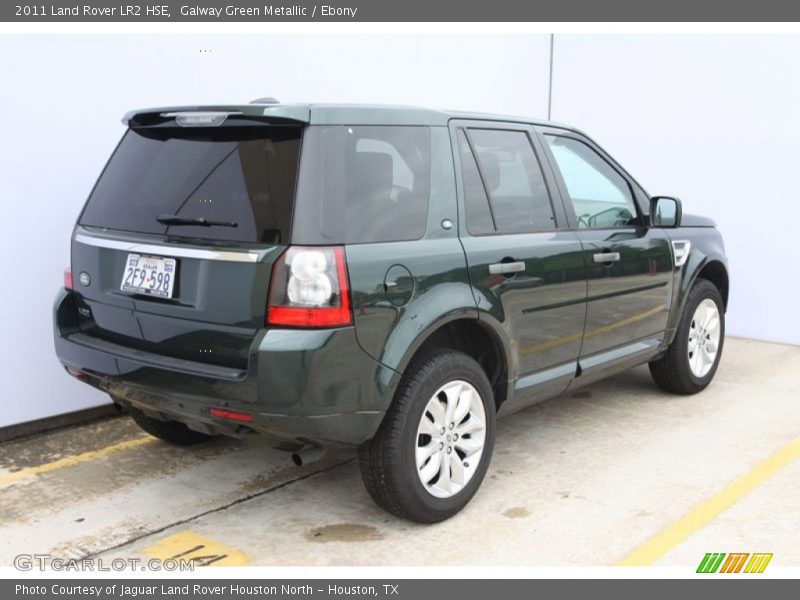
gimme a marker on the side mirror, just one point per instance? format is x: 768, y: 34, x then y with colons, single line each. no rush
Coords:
x: 665, y: 211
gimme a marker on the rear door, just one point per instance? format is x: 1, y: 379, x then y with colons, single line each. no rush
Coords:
x: 173, y: 252
x: 525, y: 267
x: 629, y: 265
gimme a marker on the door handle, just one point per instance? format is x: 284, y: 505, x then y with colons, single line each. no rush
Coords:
x: 606, y: 257
x: 504, y: 268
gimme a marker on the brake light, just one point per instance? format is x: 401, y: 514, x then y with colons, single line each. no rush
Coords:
x: 309, y: 288
x: 68, y: 278
x: 231, y: 415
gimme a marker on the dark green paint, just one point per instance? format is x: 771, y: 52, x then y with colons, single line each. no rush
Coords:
x: 628, y: 300
x: 561, y: 323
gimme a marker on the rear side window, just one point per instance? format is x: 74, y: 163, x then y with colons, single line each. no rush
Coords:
x: 241, y: 175
x: 363, y: 184
x: 479, y: 216
x: 512, y: 196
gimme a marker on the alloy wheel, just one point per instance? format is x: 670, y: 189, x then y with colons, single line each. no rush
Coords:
x: 450, y: 439
x: 704, y: 336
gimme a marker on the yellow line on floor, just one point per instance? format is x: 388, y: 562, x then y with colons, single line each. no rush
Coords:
x: 192, y: 547
x: 69, y: 461
x: 708, y: 510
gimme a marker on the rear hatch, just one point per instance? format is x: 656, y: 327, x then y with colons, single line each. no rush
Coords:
x: 174, y: 249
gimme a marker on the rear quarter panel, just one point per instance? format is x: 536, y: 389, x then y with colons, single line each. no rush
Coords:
x: 437, y: 290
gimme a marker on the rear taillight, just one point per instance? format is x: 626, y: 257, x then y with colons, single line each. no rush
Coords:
x: 68, y: 278
x: 309, y: 288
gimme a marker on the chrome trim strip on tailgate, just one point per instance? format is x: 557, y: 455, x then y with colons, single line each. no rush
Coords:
x: 249, y: 256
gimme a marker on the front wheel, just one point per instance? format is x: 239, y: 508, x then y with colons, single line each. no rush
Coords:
x: 432, y: 450
x: 692, y: 359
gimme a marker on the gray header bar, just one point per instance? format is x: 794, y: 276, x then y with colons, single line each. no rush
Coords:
x: 401, y: 10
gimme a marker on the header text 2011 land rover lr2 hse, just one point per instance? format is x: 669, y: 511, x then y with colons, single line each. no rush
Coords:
x: 391, y: 279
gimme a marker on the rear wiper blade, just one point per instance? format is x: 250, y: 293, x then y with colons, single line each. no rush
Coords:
x: 200, y: 221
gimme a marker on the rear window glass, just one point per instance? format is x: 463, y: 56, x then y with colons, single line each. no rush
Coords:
x: 233, y: 174
x: 363, y: 184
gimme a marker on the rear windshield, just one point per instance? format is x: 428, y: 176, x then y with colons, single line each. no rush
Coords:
x: 363, y: 184
x: 242, y: 175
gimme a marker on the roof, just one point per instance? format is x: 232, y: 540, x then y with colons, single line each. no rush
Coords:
x: 344, y: 114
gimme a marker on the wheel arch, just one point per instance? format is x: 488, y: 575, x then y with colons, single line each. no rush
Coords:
x: 711, y: 267
x: 475, y: 338
x: 716, y: 272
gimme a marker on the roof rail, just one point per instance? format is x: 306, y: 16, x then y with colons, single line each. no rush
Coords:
x: 266, y: 100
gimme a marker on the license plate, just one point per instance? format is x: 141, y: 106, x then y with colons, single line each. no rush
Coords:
x: 149, y: 275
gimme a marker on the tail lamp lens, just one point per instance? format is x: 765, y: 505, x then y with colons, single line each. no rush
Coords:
x: 309, y: 288
x: 68, y: 278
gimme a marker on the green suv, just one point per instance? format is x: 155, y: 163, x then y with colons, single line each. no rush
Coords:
x: 386, y: 278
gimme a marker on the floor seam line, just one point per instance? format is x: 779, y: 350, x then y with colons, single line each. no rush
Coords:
x: 236, y: 502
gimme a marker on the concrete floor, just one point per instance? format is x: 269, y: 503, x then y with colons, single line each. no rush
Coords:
x: 579, y: 480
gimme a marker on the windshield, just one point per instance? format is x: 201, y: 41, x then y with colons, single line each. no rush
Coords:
x: 241, y: 175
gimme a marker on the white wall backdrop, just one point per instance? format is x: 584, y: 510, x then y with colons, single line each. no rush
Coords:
x: 61, y: 99
x: 712, y: 119
x: 715, y: 120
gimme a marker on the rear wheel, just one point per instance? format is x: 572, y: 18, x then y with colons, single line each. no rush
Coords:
x: 169, y: 431
x: 692, y: 359
x: 433, y: 449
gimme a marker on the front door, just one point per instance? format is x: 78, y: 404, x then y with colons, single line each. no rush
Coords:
x: 526, y: 268
x: 629, y: 265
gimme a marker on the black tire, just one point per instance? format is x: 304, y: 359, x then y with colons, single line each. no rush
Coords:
x: 672, y: 372
x: 388, y: 465
x: 169, y: 431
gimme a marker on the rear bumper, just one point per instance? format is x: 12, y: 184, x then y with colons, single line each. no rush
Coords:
x: 301, y: 386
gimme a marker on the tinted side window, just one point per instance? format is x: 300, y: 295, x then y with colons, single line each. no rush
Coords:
x: 478, y: 215
x: 363, y: 184
x: 513, y: 179
x: 600, y: 196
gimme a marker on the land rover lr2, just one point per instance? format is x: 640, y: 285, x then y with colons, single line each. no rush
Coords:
x: 386, y: 278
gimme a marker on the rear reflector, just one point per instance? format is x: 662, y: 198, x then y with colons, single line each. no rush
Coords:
x: 228, y: 414
x: 68, y: 278
x: 75, y: 373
